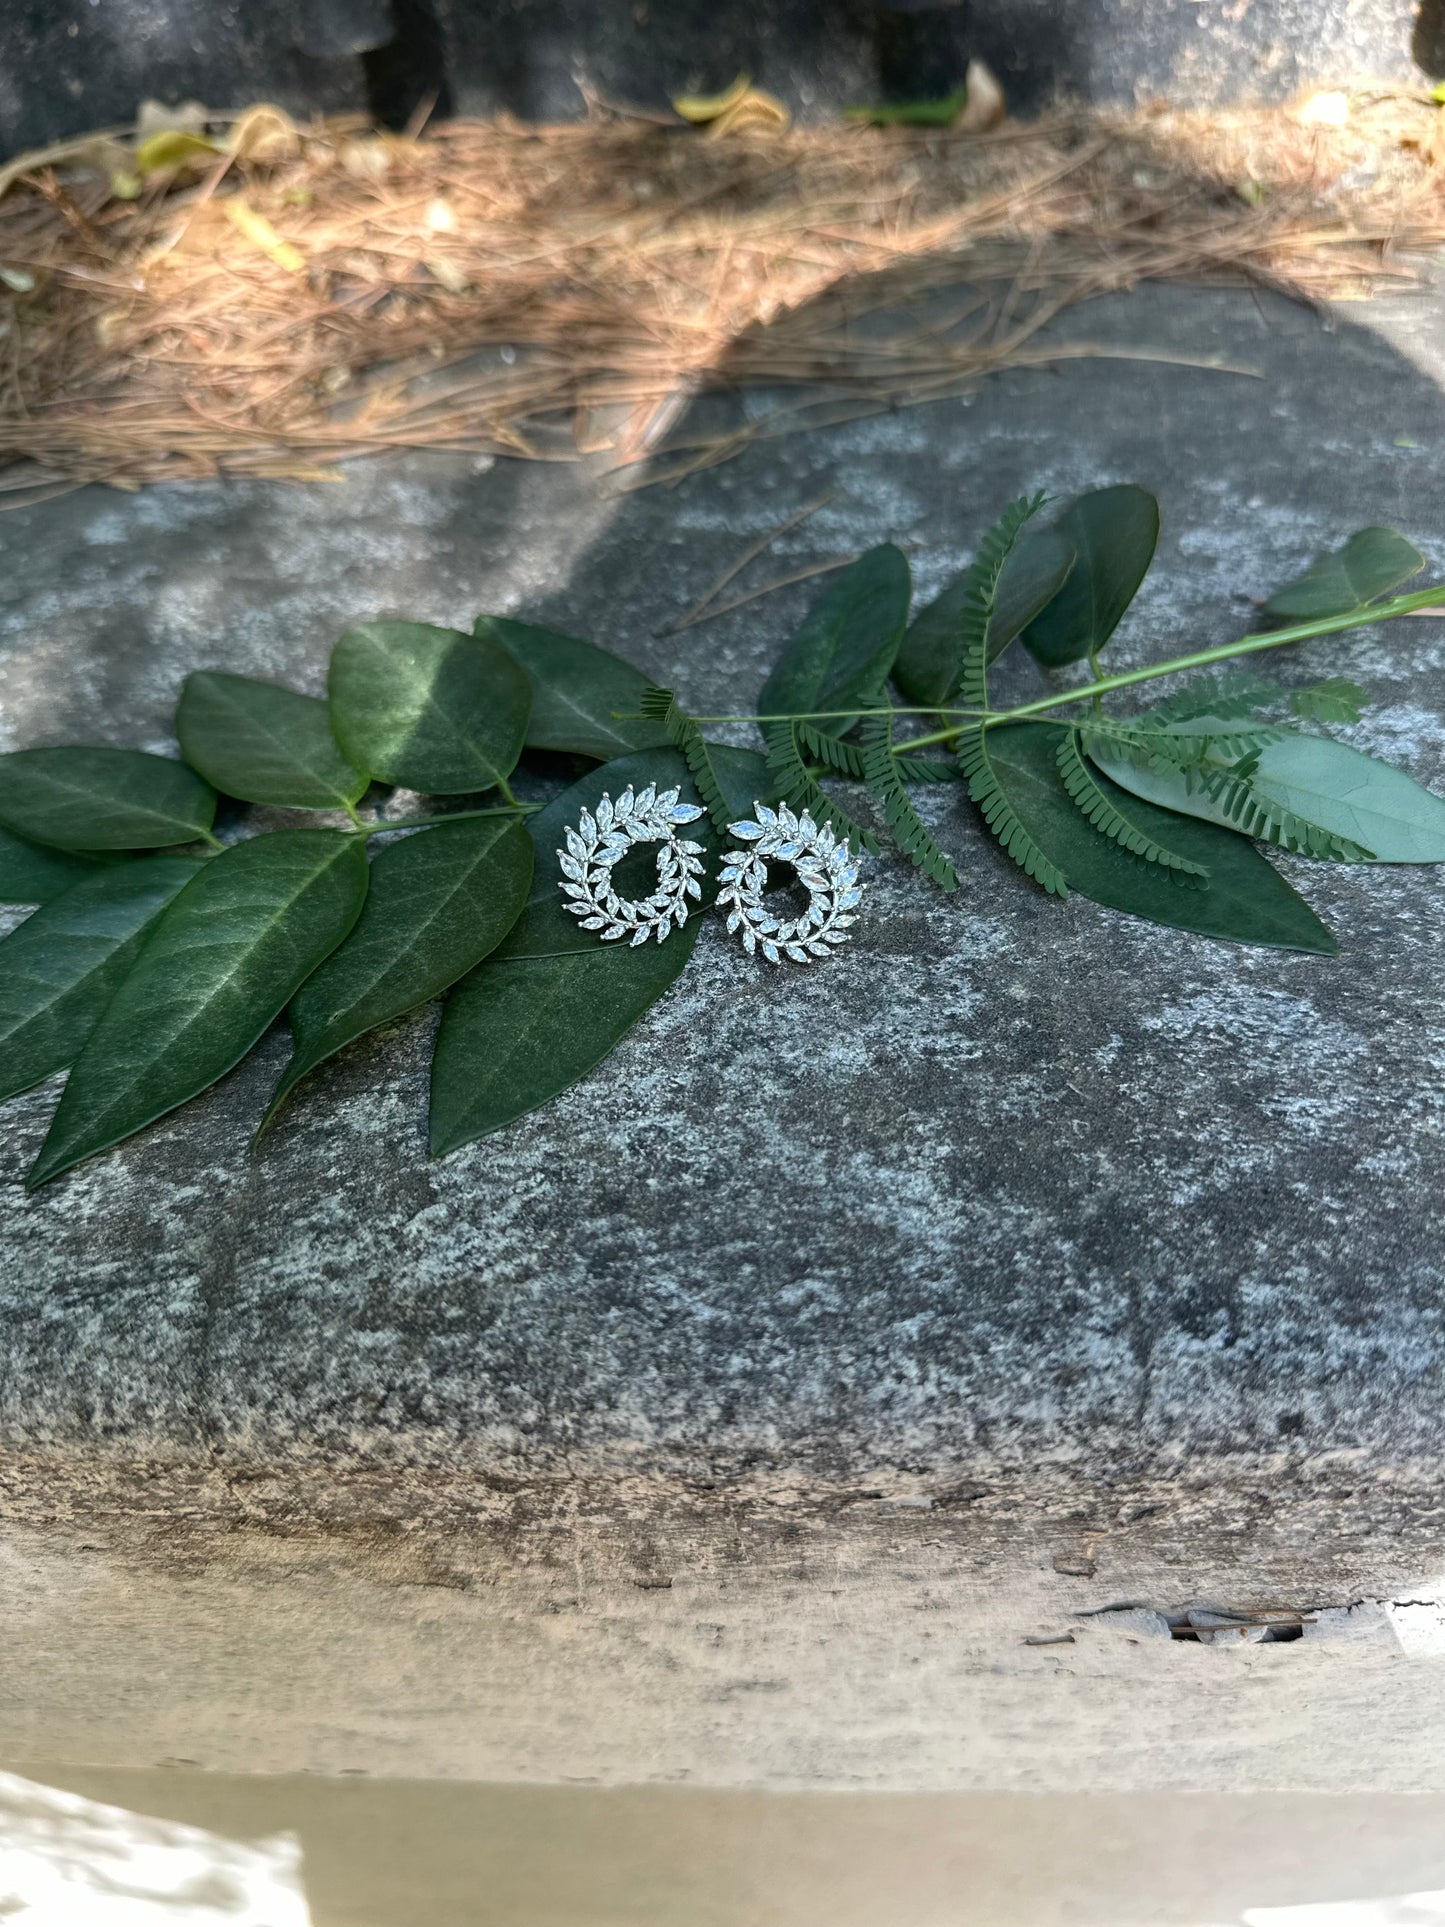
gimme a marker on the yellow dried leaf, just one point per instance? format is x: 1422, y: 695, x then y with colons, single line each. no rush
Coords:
x: 260, y: 233
x: 173, y: 148
x: 700, y: 108
x: 265, y: 133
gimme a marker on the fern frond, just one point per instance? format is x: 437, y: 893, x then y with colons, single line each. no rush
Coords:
x: 1231, y: 791
x: 802, y: 790
x: 824, y: 747
x: 1111, y: 821
x: 1141, y: 741
x: 880, y: 772
x: 1224, y: 697
x: 683, y: 732
x: 1000, y: 816
x: 980, y: 589
x: 925, y: 769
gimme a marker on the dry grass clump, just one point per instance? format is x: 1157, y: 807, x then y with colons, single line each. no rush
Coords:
x: 314, y: 293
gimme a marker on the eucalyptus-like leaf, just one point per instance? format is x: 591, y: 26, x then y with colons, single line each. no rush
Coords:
x: 86, y: 798
x: 29, y: 873
x: 1243, y: 900
x: 263, y: 743
x: 584, y: 699
x: 59, y: 969
x: 438, y: 902
x: 845, y: 650
x: 1113, y: 533
x: 1335, y: 789
x: 430, y: 709
x: 551, y: 1000
x: 929, y: 668
x: 1360, y: 571
x: 219, y: 965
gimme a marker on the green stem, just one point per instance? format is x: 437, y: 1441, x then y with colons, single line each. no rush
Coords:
x: 1201, y: 659
x: 214, y: 841
x: 505, y: 787
x: 454, y: 816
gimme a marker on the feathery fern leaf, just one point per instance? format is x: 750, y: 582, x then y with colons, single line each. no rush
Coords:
x: 1140, y: 740
x: 661, y: 705
x: 980, y: 588
x: 802, y: 790
x: 1231, y: 792
x: 824, y: 747
x: 1226, y: 698
x: 925, y: 769
x: 1111, y: 821
x: 1000, y: 816
x: 880, y: 772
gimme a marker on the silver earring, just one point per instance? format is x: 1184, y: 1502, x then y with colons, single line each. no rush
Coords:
x: 600, y: 841
x: 827, y: 870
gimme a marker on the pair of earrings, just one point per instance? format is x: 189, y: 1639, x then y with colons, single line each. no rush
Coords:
x: 826, y: 868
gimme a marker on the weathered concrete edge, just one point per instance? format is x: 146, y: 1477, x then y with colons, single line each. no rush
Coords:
x: 913, y: 1632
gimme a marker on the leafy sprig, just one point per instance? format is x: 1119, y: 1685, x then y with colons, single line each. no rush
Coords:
x: 164, y: 947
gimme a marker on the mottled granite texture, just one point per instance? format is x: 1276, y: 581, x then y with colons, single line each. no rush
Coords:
x: 1006, y: 1182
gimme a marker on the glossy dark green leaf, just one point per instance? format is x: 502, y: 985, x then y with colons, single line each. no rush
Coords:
x: 264, y: 743
x: 59, y: 970
x: 439, y: 901
x: 29, y: 873
x: 84, y: 798
x: 1245, y: 900
x: 845, y: 650
x: 430, y: 709
x: 584, y: 699
x: 516, y: 1034
x: 217, y: 967
x: 1113, y: 532
x: 1368, y: 566
x: 551, y: 1001
x: 930, y: 660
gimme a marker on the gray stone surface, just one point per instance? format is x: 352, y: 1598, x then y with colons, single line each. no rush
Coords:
x: 1008, y: 1183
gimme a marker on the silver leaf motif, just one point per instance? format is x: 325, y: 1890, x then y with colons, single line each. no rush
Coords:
x: 826, y: 868
x: 599, y: 843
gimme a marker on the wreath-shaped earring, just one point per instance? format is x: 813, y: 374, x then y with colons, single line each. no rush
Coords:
x: 826, y: 868
x: 599, y: 843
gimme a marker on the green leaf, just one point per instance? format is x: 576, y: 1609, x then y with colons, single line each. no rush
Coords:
x: 980, y: 595
x: 84, y: 798
x: 797, y: 786
x: 1213, y: 701
x: 264, y: 743
x: 1107, y: 818
x: 429, y: 709
x: 911, y: 113
x: 1335, y: 700
x: 1377, y: 811
x: 988, y: 788
x: 576, y: 687
x: 59, y: 970
x: 844, y: 651
x: 683, y: 733
x: 929, y: 668
x: 218, y: 966
x: 1368, y: 566
x: 1113, y: 532
x: 551, y: 1001
x: 29, y: 873
x: 515, y: 1034
x: 439, y: 900
x: 1245, y: 900
x: 885, y: 785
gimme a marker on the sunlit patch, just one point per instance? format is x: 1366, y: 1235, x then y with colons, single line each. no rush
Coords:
x: 70, y: 1862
